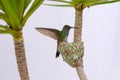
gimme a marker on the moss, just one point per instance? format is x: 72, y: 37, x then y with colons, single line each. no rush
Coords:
x: 72, y: 52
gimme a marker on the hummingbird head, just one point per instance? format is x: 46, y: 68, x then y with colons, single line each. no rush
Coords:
x: 67, y: 27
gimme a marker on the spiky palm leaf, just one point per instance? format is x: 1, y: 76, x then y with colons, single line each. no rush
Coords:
x: 14, y: 13
x: 85, y: 3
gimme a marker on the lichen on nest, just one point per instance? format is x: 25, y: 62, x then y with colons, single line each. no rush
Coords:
x: 72, y: 52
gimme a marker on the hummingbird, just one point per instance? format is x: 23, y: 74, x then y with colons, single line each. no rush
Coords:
x: 60, y: 36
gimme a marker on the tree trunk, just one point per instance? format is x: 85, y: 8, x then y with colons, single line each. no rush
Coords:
x: 20, y: 57
x: 78, y: 38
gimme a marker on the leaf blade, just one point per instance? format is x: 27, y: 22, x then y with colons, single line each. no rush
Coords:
x: 34, y: 6
x: 59, y: 5
x: 63, y: 1
x: 11, y: 13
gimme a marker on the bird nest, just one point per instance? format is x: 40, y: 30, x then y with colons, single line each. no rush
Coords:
x: 72, y: 53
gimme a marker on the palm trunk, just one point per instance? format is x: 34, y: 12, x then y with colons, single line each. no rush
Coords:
x: 21, y: 58
x: 78, y: 38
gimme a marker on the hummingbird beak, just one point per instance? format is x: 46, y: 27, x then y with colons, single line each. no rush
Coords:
x: 73, y: 27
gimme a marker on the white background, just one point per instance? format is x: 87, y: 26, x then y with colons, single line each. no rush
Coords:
x: 101, y: 34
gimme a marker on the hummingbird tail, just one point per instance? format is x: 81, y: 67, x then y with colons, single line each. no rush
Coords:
x: 57, y: 54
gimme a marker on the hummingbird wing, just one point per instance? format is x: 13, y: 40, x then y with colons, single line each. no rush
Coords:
x: 53, y: 33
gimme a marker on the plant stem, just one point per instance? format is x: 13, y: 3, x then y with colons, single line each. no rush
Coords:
x: 20, y: 57
x: 78, y: 24
x: 81, y: 73
x: 78, y: 38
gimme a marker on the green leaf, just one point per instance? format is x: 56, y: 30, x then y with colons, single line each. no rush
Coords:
x: 63, y: 1
x: 27, y: 2
x: 4, y: 27
x: 34, y: 6
x: 7, y: 30
x: 4, y: 17
x: 3, y: 32
x: 98, y: 2
x: 76, y: 2
x: 13, y: 11
x: 1, y: 8
x: 10, y: 10
x: 59, y: 5
x: 72, y: 3
x: 86, y: 3
x: 20, y: 8
x: 106, y: 2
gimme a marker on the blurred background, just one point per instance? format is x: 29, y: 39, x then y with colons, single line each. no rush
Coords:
x: 101, y: 36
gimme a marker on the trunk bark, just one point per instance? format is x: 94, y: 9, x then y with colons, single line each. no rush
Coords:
x: 21, y: 58
x: 78, y: 38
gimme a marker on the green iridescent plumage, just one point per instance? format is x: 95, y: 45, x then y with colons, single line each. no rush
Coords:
x: 60, y: 36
